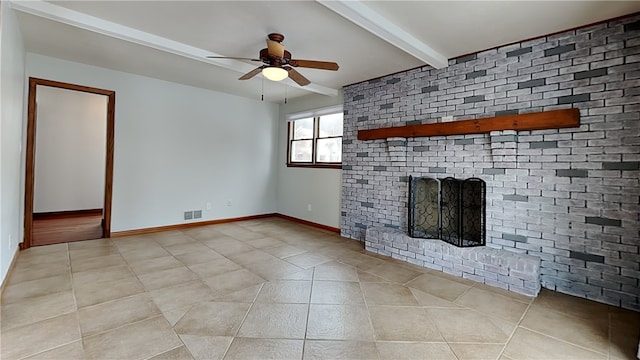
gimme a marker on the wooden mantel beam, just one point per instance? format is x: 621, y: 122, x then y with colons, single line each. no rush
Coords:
x: 554, y: 119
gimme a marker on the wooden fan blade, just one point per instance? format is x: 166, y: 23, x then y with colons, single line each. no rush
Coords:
x: 313, y: 64
x: 275, y: 49
x: 232, y: 58
x: 296, y: 76
x: 252, y: 73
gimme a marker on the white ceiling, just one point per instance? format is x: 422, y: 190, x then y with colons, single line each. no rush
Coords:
x: 169, y: 39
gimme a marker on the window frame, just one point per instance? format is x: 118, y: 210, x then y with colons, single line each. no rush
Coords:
x: 314, y: 140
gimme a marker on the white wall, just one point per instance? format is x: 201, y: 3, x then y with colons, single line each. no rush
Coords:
x: 299, y: 187
x: 11, y: 129
x: 178, y: 147
x: 70, y: 150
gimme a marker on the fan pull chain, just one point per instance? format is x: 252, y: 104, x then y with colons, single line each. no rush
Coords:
x: 262, y: 90
x: 285, y: 93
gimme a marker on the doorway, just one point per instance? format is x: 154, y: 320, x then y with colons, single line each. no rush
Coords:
x: 80, y: 207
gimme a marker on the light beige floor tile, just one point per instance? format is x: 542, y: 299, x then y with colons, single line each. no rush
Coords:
x: 307, y: 260
x: 92, y: 252
x: 571, y: 305
x: 623, y: 343
x: 164, y: 278
x: 394, y: 273
x: 470, y: 351
x: 179, y: 353
x: 44, y: 275
x: 492, y: 304
x: 170, y: 238
x: 526, y: 344
x: 71, y: 351
x: 139, y: 340
x: 199, y: 257
x: 465, y: 325
x: 201, y: 233
x: 148, y: 252
x: 228, y: 246
x: 414, y: 351
x: 250, y: 257
x: 364, y: 276
x: 57, y: 253
x: 110, y: 315
x: 136, y: 242
x: 233, y: 281
x: 47, y: 250
x: 625, y: 319
x: 86, y: 244
x: 180, y: 249
x: 35, y: 288
x: 591, y: 333
x: 284, y: 251
x: 44, y: 335
x: 339, y: 322
x: 212, y: 319
x: 179, y: 296
x: 265, y: 243
x: 286, y: 321
x: 339, y: 350
x: 439, y: 286
x: 359, y: 260
x: 388, y: 294
x: 243, y: 234
x: 111, y: 273
x: 146, y: 266
x: 297, y: 275
x: 624, y: 333
x: 260, y: 349
x: 336, y: 292
x: 38, y: 271
x: 335, y: 271
x: 173, y: 316
x: 285, y: 291
x: 392, y: 323
x: 274, y: 270
x: 203, y: 347
x: 247, y: 295
x: 428, y: 300
x: 35, y: 309
x: 215, y: 267
x: 503, y: 292
x: 89, y: 293
x: 93, y: 263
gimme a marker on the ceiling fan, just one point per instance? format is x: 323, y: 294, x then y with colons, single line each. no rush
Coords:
x: 278, y: 63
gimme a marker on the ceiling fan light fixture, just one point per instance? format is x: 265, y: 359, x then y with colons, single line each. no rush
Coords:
x: 275, y: 73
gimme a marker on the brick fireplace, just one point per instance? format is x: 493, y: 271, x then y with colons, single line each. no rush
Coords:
x: 568, y: 197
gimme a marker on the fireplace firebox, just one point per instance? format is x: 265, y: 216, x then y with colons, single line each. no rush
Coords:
x: 450, y: 209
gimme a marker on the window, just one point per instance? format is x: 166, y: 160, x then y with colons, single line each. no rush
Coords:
x: 315, y: 139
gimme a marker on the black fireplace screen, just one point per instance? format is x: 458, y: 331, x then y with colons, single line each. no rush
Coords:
x: 451, y: 209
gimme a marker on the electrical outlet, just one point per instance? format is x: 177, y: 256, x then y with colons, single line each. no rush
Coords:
x: 188, y: 215
x: 229, y: 203
x: 208, y: 206
x: 309, y: 207
x: 197, y: 214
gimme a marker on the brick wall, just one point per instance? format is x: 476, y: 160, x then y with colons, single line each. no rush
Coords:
x: 568, y: 196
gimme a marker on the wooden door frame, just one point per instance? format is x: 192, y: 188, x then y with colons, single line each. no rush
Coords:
x: 31, y: 152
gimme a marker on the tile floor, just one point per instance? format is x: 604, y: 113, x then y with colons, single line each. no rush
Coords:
x: 274, y: 289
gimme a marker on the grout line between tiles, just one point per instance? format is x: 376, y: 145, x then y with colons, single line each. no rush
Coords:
x: 565, y: 341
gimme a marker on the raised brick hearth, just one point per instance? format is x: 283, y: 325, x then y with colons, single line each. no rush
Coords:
x: 501, y: 268
x: 570, y: 197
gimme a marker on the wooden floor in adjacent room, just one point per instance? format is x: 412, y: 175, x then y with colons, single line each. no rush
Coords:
x: 66, y: 228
